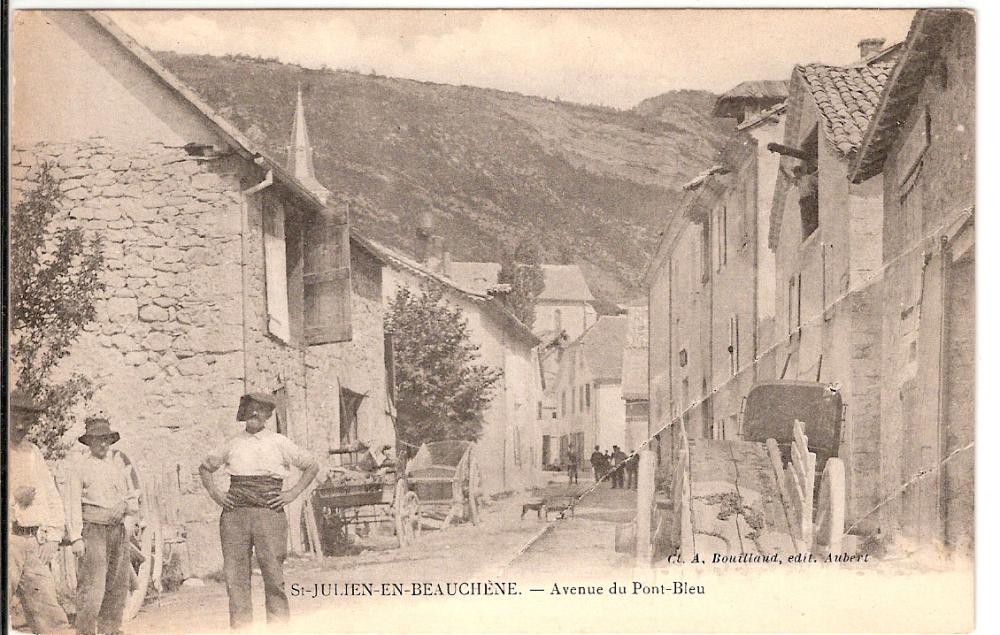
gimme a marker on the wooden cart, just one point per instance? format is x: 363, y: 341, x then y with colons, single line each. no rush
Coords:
x: 445, y: 479
x: 384, y: 499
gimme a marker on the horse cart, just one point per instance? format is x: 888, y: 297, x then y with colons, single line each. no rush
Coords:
x: 445, y: 479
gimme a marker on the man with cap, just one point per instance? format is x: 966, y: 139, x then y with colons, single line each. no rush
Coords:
x: 99, y: 499
x: 253, y: 516
x: 36, y: 522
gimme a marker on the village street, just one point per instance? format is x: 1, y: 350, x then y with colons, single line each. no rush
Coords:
x: 503, y: 547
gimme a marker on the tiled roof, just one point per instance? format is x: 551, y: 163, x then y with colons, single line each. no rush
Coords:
x: 928, y: 33
x: 398, y: 260
x: 847, y: 96
x: 477, y: 276
x: 769, y: 114
x: 770, y: 90
x: 696, y: 182
x: 227, y: 129
x: 603, y: 345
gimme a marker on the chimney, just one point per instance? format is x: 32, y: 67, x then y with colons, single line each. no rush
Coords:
x: 446, y: 264
x: 870, y: 45
x: 425, y: 231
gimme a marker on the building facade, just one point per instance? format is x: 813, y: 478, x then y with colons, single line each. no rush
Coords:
x: 509, y: 450
x: 212, y: 287
x: 923, y: 146
x: 826, y: 233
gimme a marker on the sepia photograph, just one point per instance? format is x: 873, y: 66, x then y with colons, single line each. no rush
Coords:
x: 490, y: 320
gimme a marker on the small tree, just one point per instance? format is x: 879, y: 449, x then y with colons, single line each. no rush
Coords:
x: 53, y: 283
x: 441, y: 389
x: 522, y: 270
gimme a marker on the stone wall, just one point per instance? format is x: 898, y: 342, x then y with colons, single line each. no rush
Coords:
x: 181, y: 330
x: 165, y: 351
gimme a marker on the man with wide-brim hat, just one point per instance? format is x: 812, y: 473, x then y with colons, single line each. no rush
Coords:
x: 36, y: 522
x: 99, y: 499
x: 253, y: 510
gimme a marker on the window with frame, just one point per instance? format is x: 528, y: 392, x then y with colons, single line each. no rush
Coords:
x: 721, y: 231
x: 276, y: 268
x: 586, y: 389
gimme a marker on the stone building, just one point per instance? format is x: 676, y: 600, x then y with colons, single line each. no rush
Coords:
x: 509, y: 450
x: 711, y: 282
x: 679, y: 334
x: 922, y: 144
x: 224, y: 272
x: 588, y: 390
x: 826, y: 233
x: 563, y: 306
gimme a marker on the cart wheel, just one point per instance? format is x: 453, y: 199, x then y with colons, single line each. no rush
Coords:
x: 145, y: 550
x: 408, y: 522
x: 407, y: 513
x: 475, y: 490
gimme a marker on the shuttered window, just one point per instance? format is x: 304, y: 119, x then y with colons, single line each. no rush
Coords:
x: 327, y: 282
x: 275, y: 269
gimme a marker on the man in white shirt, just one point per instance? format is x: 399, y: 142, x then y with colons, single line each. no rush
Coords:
x: 99, y: 499
x: 253, y: 515
x: 35, y: 523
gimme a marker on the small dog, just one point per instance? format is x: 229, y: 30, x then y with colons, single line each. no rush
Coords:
x: 560, y: 504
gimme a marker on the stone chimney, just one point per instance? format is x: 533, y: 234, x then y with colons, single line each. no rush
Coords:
x: 425, y: 232
x: 870, y: 45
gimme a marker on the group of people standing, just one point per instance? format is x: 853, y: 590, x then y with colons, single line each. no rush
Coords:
x: 101, y: 503
x: 622, y: 468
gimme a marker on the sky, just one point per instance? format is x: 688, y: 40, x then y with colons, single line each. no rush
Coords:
x: 606, y: 57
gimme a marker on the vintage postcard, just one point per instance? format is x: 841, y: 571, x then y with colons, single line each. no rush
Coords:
x: 644, y: 320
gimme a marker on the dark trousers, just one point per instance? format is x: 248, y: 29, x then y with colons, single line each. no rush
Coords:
x: 573, y: 476
x: 31, y: 581
x: 264, y: 532
x: 618, y: 477
x: 102, y: 582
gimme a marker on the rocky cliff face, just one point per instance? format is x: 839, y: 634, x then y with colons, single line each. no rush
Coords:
x: 593, y: 184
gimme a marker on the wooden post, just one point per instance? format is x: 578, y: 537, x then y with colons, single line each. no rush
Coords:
x: 645, y: 495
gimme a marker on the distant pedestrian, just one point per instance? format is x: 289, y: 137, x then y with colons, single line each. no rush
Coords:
x: 253, y: 517
x: 572, y: 463
x: 618, y: 465
x: 597, y: 462
x: 35, y: 522
x: 632, y: 470
x: 99, y: 499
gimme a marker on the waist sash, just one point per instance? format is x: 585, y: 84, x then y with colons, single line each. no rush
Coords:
x: 253, y: 491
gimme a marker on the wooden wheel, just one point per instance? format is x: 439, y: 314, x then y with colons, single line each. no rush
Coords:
x: 145, y: 546
x: 830, y: 513
x: 407, y: 514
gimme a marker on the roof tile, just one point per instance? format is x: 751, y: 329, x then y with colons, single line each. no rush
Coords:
x: 847, y: 97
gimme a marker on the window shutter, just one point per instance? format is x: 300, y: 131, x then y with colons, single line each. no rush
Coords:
x: 327, y: 283
x: 275, y: 271
x: 389, y: 358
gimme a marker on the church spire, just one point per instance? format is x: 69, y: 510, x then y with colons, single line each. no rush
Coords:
x: 300, y: 152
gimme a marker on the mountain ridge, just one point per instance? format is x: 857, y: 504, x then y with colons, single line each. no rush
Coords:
x: 593, y: 184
